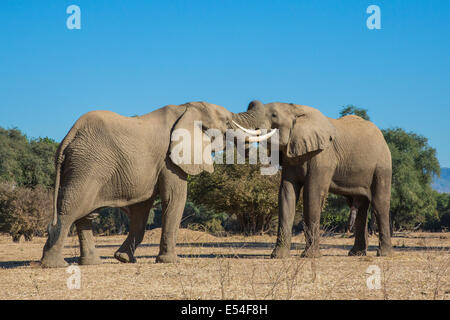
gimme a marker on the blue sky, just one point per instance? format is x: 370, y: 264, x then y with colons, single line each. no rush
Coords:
x: 133, y: 57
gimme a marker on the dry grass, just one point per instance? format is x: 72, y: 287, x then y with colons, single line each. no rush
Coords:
x: 234, y: 268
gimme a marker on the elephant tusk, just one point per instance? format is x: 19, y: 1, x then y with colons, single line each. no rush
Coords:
x: 263, y: 137
x: 252, y: 132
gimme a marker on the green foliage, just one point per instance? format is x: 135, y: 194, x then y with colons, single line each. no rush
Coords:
x: 13, y: 145
x: 40, y: 165
x: 335, y: 214
x: 443, y: 212
x: 414, y: 164
x: 194, y: 217
x: 110, y: 221
x: 214, y: 226
x: 242, y: 193
x: 211, y: 221
x: 26, y: 162
x: 351, y: 109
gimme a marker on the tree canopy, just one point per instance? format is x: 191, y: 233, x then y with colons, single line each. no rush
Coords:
x: 414, y: 164
x: 240, y: 191
x: 351, y: 109
x: 26, y: 162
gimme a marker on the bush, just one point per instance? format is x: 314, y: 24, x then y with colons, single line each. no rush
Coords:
x: 242, y: 193
x: 194, y: 217
x: 441, y: 219
x: 25, y: 211
x: 110, y: 221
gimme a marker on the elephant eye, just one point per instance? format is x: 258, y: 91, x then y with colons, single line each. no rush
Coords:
x: 274, y: 115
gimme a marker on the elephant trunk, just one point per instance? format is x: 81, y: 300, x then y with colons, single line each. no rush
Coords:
x: 253, y: 118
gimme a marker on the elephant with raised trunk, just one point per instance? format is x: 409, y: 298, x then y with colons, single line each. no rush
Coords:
x: 347, y: 156
x: 108, y: 160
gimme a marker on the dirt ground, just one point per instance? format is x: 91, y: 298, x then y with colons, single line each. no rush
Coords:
x: 234, y: 267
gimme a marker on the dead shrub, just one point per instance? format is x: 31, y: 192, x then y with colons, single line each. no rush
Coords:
x: 25, y: 211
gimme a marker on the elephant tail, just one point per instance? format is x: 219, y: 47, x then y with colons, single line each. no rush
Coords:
x: 59, y: 159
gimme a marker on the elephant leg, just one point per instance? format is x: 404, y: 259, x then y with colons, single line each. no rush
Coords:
x: 380, y: 205
x: 173, y: 189
x: 381, y: 195
x: 88, y: 252
x: 381, y: 211
x: 73, y: 206
x: 138, y: 216
x: 315, y: 193
x: 57, y: 234
x: 287, y: 198
x: 360, y: 227
x: 311, y: 217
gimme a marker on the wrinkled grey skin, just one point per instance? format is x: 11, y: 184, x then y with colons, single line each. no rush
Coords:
x: 347, y: 156
x: 108, y: 160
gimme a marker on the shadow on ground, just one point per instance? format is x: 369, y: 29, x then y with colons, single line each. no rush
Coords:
x: 266, y: 246
x: 29, y: 263
x: 235, y: 245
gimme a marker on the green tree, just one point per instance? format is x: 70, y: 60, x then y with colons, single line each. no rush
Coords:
x: 351, y: 109
x: 241, y: 192
x: 26, y: 162
x: 440, y: 221
x: 335, y: 213
x: 414, y: 163
x: 38, y: 166
x: 199, y: 217
x: 13, y: 147
x: 443, y: 208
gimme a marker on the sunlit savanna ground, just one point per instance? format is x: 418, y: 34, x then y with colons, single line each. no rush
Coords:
x: 234, y: 267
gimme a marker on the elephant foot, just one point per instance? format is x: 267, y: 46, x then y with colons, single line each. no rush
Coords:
x: 356, y: 252
x: 310, y: 253
x: 167, y: 258
x: 124, y: 257
x: 384, y: 252
x: 280, y: 253
x: 54, y: 263
x: 90, y: 260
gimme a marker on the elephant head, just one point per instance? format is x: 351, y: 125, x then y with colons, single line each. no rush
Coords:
x: 302, y: 129
x: 203, y: 125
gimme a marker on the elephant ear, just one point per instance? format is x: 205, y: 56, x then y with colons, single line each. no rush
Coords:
x: 189, y: 148
x: 311, y: 131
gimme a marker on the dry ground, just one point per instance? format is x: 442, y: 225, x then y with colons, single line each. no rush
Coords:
x: 234, y: 268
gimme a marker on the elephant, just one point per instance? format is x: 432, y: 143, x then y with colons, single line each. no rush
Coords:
x: 346, y: 156
x: 109, y: 160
